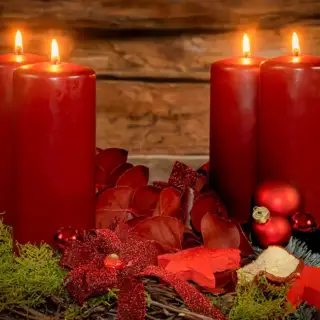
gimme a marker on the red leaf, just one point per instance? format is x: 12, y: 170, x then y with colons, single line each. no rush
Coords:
x: 204, y: 168
x: 118, y: 198
x: 135, y: 177
x: 190, y: 240
x: 166, y: 231
x: 100, y: 178
x: 182, y: 176
x: 245, y: 245
x: 111, y: 158
x: 187, y: 200
x: 161, y: 184
x: 98, y: 150
x: 133, y: 222
x: 169, y: 203
x: 117, y: 172
x: 219, y: 232
x: 109, y: 219
x: 193, y: 299
x: 206, y: 203
x: 145, y: 200
x: 224, y: 282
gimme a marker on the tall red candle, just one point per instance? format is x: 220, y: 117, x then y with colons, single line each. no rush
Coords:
x: 289, y: 130
x: 8, y: 63
x: 234, y: 102
x: 54, y: 150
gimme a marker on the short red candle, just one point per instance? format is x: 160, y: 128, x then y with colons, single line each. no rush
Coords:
x: 8, y: 63
x: 234, y: 102
x: 289, y: 129
x: 55, y: 150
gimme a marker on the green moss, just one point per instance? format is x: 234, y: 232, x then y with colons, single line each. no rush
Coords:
x: 26, y: 281
x: 259, y: 301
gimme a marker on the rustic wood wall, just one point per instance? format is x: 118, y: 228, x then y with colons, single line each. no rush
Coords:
x: 152, y: 57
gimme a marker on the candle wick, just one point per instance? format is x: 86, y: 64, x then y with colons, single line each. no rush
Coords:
x: 246, y: 54
x: 296, y: 52
x: 18, y: 50
x: 55, y: 61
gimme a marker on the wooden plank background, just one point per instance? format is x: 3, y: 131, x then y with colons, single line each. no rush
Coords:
x: 152, y: 57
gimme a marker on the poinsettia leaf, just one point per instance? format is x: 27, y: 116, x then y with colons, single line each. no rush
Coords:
x: 110, y: 219
x: 218, y: 232
x: 182, y: 176
x: 117, y: 173
x: 207, y: 202
x: 111, y: 158
x: 166, y: 231
x: 135, y: 177
x: 169, y: 203
x: 145, y: 200
x: 199, y: 264
x: 117, y: 198
x: 161, y: 184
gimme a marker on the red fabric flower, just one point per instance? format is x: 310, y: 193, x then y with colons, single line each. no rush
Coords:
x: 306, y: 288
x: 93, y: 272
x: 199, y: 264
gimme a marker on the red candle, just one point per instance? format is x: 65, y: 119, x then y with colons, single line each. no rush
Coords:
x: 234, y: 102
x: 55, y: 149
x: 289, y: 130
x: 8, y: 63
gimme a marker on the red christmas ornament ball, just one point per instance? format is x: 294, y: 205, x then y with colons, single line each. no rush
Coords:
x: 304, y: 222
x: 278, y: 197
x: 270, y: 229
x: 64, y: 235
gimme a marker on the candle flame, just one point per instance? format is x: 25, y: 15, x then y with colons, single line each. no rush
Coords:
x: 246, y: 45
x: 18, y: 43
x: 295, y: 44
x: 55, y: 58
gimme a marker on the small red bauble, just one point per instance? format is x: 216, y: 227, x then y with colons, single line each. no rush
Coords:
x: 113, y: 261
x: 64, y: 235
x: 270, y: 229
x: 278, y: 197
x: 304, y: 222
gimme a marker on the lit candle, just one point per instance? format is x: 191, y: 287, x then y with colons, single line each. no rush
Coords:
x: 8, y: 63
x: 289, y: 131
x: 55, y: 149
x: 233, y: 136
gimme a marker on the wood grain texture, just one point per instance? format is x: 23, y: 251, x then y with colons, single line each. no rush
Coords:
x: 210, y: 14
x: 153, y: 118
x: 179, y: 56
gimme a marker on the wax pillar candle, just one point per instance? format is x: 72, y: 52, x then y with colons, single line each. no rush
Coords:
x: 234, y: 102
x: 289, y: 129
x: 55, y: 149
x: 8, y: 63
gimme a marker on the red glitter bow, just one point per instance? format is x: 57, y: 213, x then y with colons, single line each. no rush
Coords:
x: 105, y: 259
